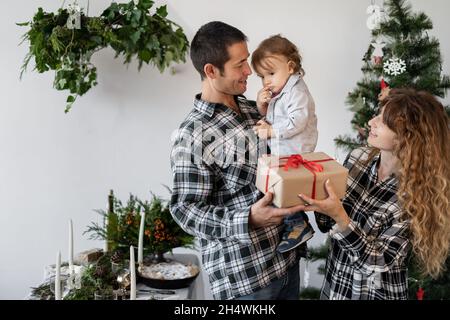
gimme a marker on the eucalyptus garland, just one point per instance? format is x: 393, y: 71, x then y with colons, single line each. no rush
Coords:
x: 128, y: 28
x: 97, y: 277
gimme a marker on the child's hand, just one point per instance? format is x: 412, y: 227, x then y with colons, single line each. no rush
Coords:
x: 263, y: 130
x: 262, y: 100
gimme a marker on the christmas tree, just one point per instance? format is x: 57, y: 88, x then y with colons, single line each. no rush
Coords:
x: 315, y: 254
x: 401, y: 54
x: 427, y: 288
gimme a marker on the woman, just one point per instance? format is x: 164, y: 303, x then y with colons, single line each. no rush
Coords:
x: 397, y: 202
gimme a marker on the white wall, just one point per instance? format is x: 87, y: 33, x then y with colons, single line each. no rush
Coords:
x: 56, y: 166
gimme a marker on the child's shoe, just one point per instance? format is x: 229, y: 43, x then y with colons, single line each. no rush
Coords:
x: 295, y: 236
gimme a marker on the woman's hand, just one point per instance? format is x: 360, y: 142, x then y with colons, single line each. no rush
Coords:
x: 330, y: 206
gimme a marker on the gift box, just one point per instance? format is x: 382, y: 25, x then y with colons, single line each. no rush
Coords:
x: 306, y: 173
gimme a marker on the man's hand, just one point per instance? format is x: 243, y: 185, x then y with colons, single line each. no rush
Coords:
x: 262, y: 214
x: 262, y: 100
x: 263, y: 130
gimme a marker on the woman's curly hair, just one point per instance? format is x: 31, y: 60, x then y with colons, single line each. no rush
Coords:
x: 422, y: 145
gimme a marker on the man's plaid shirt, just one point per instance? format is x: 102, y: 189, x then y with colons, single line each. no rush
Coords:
x: 368, y: 259
x: 212, y: 196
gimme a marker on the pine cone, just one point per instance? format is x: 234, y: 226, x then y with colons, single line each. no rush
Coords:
x: 117, y: 257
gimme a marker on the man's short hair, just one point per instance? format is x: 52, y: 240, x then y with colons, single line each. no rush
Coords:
x: 210, y: 45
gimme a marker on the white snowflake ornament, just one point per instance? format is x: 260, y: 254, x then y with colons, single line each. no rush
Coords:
x: 394, y: 66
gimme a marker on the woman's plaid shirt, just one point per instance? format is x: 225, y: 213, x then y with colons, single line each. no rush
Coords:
x: 214, y: 160
x: 367, y: 260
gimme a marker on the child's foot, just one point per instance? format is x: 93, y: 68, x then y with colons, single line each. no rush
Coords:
x: 296, y: 235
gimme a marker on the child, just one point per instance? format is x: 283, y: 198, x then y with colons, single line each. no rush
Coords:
x: 290, y: 120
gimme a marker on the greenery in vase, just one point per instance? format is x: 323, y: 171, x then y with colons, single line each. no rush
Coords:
x: 121, y: 225
x: 128, y: 28
x: 161, y: 232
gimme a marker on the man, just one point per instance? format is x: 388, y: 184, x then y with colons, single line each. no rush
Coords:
x: 214, y: 197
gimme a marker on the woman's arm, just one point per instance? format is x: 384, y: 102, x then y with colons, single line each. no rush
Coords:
x: 375, y: 253
x: 367, y: 252
x: 324, y: 222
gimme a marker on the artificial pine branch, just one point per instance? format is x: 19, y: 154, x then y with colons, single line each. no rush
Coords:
x: 42, y: 292
x: 407, y: 38
x: 318, y: 253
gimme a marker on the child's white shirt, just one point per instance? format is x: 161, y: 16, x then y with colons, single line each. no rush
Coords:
x: 292, y: 116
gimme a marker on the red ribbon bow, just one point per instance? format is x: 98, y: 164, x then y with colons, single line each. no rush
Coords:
x: 296, y: 160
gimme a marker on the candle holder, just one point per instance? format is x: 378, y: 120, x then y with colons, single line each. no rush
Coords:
x: 124, y: 279
x: 121, y: 294
x: 158, y: 257
x: 116, y: 267
x: 104, y: 295
x: 168, y: 275
x: 63, y: 284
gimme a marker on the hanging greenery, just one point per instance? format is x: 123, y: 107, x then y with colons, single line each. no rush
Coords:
x: 65, y: 42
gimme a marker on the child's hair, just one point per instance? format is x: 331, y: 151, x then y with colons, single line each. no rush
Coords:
x: 277, y: 45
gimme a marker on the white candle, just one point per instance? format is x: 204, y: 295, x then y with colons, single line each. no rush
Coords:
x: 58, y: 277
x: 70, y: 246
x: 105, y: 246
x: 105, y: 225
x: 132, y: 275
x: 141, y: 240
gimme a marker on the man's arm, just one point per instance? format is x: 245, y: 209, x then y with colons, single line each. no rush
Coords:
x: 190, y: 205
